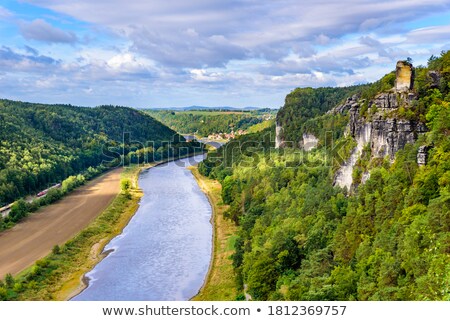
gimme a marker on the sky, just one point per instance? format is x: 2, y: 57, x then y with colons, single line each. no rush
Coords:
x: 152, y: 53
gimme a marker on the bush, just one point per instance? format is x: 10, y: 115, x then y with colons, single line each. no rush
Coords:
x: 56, y: 249
x: 125, y: 185
x: 54, y: 195
x: 18, y: 211
x: 9, y: 280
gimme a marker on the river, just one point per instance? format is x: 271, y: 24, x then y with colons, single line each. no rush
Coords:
x: 165, y: 250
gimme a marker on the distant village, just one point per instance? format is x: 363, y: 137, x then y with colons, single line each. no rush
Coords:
x: 234, y: 134
x: 225, y: 136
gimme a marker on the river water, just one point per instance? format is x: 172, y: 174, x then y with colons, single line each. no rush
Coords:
x: 165, y: 250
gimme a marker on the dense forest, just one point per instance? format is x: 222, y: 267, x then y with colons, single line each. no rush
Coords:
x: 301, y: 238
x: 41, y: 145
x: 204, y: 122
x: 304, y: 104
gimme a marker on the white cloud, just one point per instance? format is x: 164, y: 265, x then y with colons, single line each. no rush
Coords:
x: 429, y: 34
x: 249, y: 49
x: 203, y: 75
x: 5, y: 13
x: 207, y: 33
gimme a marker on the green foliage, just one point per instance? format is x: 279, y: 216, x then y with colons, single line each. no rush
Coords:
x: 56, y: 250
x: 18, y: 211
x: 384, y: 84
x: 125, y: 185
x: 206, y: 122
x: 301, y: 238
x: 261, y: 126
x: 303, y: 104
x: 44, y: 144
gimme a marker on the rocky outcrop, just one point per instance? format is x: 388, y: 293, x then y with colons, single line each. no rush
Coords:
x: 309, y: 142
x: 387, y: 133
x: 404, y: 76
x: 278, y: 139
x: 379, y: 124
x: 344, y: 176
x: 353, y: 101
x: 422, y: 155
x: 435, y: 77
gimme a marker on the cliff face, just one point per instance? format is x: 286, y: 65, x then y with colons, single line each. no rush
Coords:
x: 278, y: 140
x: 301, y: 107
x: 379, y: 125
x: 376, y: 124
x: 385, y: 132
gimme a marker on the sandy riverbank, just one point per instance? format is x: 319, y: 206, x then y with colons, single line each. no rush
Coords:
x: 220, y: 282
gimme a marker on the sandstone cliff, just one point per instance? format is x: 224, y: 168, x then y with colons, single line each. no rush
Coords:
x: 377, y: 123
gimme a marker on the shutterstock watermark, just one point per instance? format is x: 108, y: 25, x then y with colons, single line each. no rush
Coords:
x: 245, y: 153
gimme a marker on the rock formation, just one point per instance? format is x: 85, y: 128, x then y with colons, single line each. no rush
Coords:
x: 278, y: 140
x: 386, y: 133
x: 377, y: 123
x: 404, y: 76
x: 422, y: 155
x: 380, y: 126
x: 309, y: 142
x: 436, y: 78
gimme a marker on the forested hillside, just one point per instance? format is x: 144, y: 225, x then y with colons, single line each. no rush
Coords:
x: 204, y: 122
x: 302, y: 238
x: 304, y: 104
x: 41, y: 145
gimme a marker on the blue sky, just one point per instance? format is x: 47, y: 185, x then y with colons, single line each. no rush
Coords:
x: 151, y: 53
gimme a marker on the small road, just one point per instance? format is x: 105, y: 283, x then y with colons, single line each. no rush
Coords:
x: 34, y: 238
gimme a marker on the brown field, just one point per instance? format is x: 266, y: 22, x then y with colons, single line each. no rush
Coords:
x: 35, y: 237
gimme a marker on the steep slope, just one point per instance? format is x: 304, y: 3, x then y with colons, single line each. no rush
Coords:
x: 301, y: 237
x: 304, y: 104
x: 43, y: 144
x: 383, y: 124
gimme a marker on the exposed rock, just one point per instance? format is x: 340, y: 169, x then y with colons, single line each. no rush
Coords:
x: 380, y: 127
x: 404, y: 76
x: 344, y: 176
x: 365, y: 177
x: 278, y: 140
x: 352, y: 101
x: 386, y: 136
x: 385, y: 101
x: 435, y: 78
x: 422, y: 155
x: 309, y: 142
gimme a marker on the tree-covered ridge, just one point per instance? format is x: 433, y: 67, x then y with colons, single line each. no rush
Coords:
x: 204, y: 122
x: 301, y: 238
x: 41, y: 145
x: 303, y: 104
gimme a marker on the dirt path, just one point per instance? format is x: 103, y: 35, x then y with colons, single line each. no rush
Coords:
x: 35, y: 237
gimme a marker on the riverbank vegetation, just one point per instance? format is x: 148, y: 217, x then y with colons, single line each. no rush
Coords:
x: 301, y: 238
x: 220, y: 282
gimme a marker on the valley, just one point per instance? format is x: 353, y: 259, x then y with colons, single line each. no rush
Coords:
x: 343, y: 196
